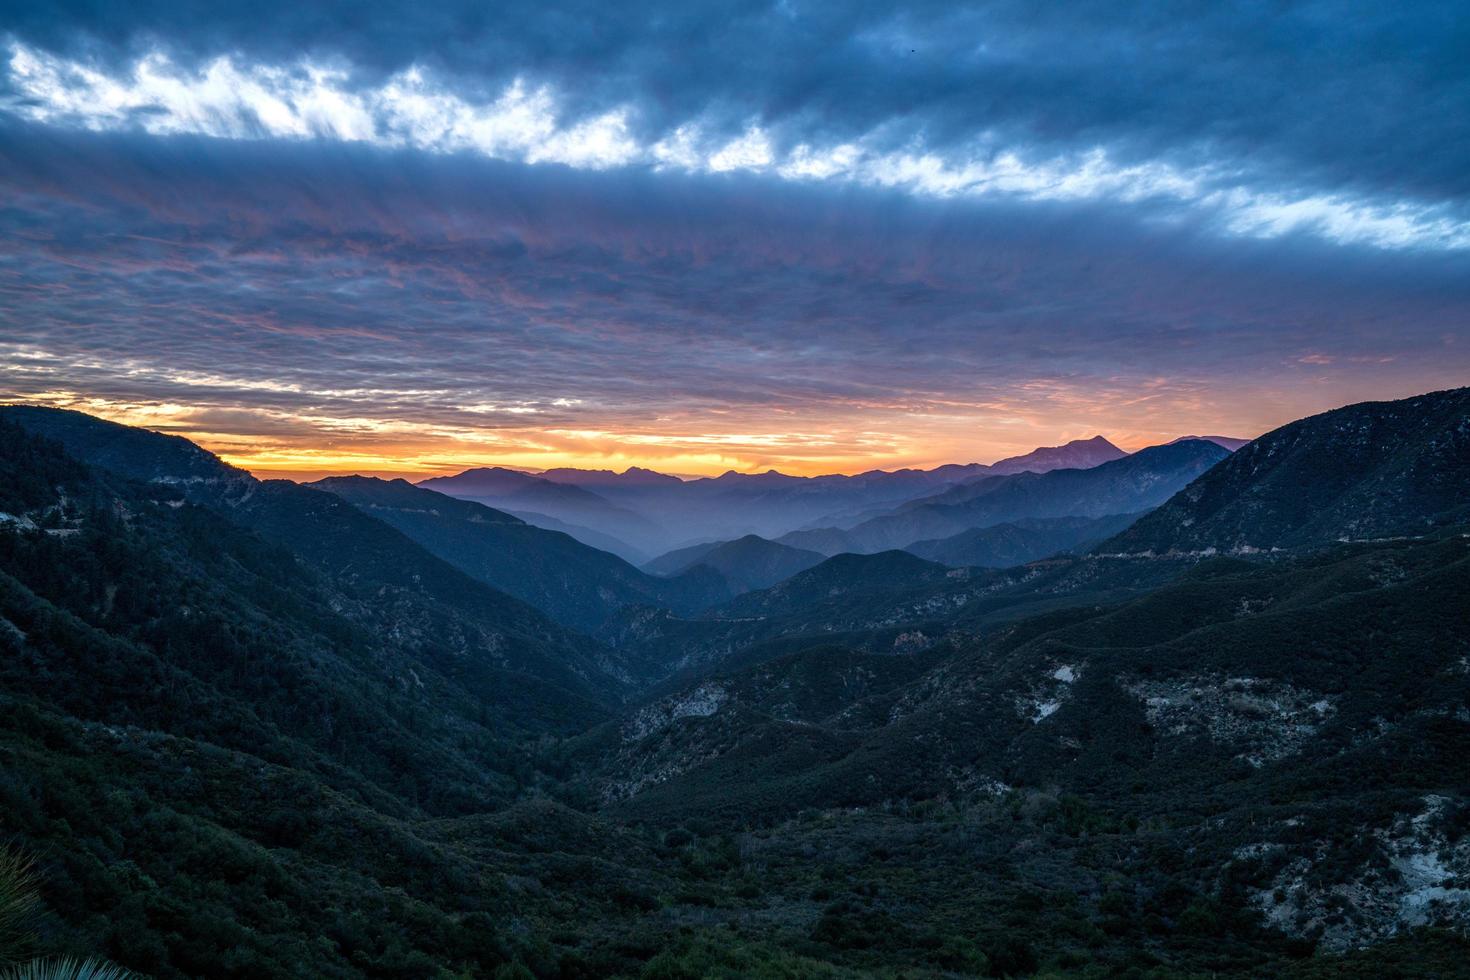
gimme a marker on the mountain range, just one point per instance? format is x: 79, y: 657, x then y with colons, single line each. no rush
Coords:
x: 649, y: 513
x: 1126, y: 485
x: 1183, y: 712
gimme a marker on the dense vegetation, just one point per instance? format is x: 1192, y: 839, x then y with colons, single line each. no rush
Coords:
x: 248, y: 730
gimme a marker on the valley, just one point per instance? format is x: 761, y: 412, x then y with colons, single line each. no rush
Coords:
x: 1195, y: 710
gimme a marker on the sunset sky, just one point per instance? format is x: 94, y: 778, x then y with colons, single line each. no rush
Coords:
x: 815, y: 237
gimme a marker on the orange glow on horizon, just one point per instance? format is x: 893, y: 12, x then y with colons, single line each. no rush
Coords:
x: 822, y: 439
x: 420, y: 462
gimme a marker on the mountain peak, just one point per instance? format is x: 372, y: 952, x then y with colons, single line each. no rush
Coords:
x: 1225, y: 442
x: 1079, y: 454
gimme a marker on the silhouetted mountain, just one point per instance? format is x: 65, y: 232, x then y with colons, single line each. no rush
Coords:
x: 140, y: 454
x: 1372, y: 470
x: 747, y: 563
x: 1079, y: 454
x: 1029, y: 539
x: 1127, y: 485
x: 633, y: 476
x: 844, y: 575
x: 673, y: 562
x: 574, y: 584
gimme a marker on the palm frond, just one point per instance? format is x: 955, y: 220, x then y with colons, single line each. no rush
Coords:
x: 67, y: 969
x: 19, y: 900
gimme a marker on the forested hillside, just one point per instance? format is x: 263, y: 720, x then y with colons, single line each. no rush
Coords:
x: 259, y: 729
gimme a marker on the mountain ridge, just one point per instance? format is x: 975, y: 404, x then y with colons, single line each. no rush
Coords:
x: 748, y: 563
x: 1372, y: 469
x: 1131, y: 483
x: 577, y: 585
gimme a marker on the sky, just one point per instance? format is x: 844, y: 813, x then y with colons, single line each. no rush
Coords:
x: 407, y: 238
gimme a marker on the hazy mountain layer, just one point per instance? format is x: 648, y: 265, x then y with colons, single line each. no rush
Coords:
x: 1019, y: 542
x: 574, y: 505
x: 574, y: 584
x: 747, y: 563
x: 1128, y: 485
x: 655, y: 513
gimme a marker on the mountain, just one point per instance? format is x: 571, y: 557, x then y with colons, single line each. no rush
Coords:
x: 1163, y: 744
x: 1371, y: 470
x: 512, y: 490
x: 254, y: 729
x: 589, y: 537
x: 843, y: 576
x: 747, y: 563
x: 183, y: 702
x: 1079, y: 454
x: 673, y: 562
x: 671, y: 513
x: 576, y: 585
x: 1019, y: 542
x: 633, y: 476
x: 1127, y: 485
x: 1225, y: 442
x: 396, y: 586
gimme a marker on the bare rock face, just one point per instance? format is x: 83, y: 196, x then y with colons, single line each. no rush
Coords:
x: 1266, y: 720
x: 1415, y: 873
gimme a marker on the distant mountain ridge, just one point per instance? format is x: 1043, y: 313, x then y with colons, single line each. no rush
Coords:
x: 653, y: 513
x: 747, y: 563
x: 1079, y: 454
x: 574, y: 505
x: 1228, y: 442
x: 632, y: 476
x: 1125, y: 485
x: 1371, y: 470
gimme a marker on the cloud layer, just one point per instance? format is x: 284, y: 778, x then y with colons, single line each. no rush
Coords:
x: 777, y: 236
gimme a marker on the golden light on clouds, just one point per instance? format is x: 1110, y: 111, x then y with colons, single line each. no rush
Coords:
x: 394, y: 432
x: 276, y: 443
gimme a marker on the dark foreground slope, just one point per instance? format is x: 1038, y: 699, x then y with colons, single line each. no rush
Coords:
x: 215, y: 753
x: 247, y: 730
x: 1262, y: 759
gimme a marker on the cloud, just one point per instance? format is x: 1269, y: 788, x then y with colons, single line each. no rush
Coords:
x: 299, y: 301
x: 816, y: 236
x: 1305, y: 120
